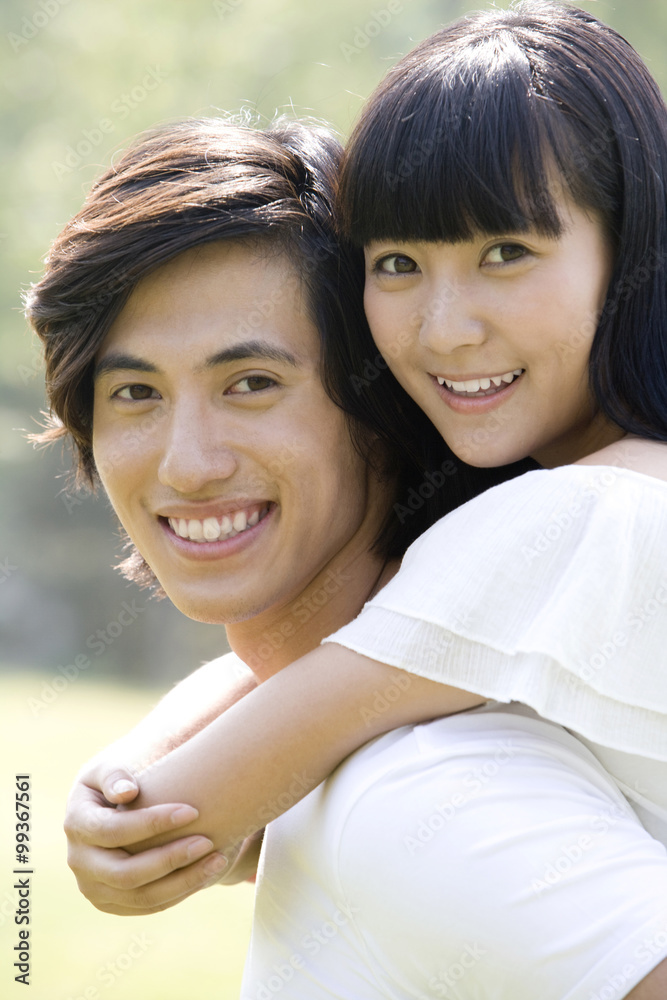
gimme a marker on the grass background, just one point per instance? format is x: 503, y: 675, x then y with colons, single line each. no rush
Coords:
x: 196, y: 949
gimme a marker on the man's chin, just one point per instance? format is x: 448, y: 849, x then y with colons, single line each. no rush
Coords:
x: 211, y: 611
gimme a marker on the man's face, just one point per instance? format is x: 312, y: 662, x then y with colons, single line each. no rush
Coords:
x: 228, y: 465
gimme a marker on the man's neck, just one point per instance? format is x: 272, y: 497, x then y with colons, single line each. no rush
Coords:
x: 278, y: 636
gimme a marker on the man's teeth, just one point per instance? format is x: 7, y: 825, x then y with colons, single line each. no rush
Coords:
x: 482, y: 385
x: 213, y: 530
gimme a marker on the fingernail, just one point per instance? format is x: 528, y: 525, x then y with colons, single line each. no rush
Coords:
x: 123, y: 785
x: 199, y: 847
x: 215, y: 864
x: 183, y: 814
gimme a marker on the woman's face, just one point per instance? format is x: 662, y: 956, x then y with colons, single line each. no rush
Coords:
x: 491, y: 337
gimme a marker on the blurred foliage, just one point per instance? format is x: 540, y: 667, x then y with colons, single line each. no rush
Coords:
x: 80, y: 77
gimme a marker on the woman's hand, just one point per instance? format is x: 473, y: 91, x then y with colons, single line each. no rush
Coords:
x: 116, y: 881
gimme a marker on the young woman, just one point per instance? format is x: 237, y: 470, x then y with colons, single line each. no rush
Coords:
x: 508, y: 183
x: 514, y: 221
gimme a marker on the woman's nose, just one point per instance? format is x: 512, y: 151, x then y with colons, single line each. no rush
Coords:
x: 450, y: 318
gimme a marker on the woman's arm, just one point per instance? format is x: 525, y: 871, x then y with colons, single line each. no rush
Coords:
x: 98, y: 834
x: 184, y: 711
x: 270, y: 749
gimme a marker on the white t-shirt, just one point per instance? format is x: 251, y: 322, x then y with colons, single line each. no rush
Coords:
x: 550, y: 590
x: 486, y: 856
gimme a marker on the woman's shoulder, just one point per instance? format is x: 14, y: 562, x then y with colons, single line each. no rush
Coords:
x: 548, y: 501
x: 584, y: 544
x: 551, y: 590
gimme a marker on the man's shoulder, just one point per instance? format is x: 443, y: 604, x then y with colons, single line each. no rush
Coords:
x: 372, y: 770
x: 404, y: 770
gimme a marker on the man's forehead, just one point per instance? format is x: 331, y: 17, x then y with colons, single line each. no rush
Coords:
x: 217, y: 304
x: 257, y: 257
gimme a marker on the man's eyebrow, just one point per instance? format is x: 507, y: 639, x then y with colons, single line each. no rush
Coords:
x: 115, y: 361
x: 246, y: 350
x: 249, y: 349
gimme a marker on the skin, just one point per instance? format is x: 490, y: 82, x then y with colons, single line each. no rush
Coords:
x: 205, y: 407
x: 487, y: 307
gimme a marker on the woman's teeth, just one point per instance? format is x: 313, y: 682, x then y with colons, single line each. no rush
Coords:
x: 480, y: 386
x: 212, y: 529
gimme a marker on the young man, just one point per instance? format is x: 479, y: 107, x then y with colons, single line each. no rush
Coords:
x: 200, y: 331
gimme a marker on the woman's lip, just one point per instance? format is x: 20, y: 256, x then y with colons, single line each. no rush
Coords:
x: 207, y: 551
x: 475, y: 404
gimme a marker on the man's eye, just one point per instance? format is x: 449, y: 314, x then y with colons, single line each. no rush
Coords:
x: 252, y: 383
x: 134, y: 392
x: 396, y: 263
x: 505, y: 252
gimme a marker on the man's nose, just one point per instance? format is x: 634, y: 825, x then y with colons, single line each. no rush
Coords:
x: 196, y: 451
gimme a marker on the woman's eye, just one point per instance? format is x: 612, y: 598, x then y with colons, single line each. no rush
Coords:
x: 252, y: 383
x: 504, y: 252
x: 134, y: 392
x: 396, y: 263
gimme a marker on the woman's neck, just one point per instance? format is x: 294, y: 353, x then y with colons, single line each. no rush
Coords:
x: 593, y: 434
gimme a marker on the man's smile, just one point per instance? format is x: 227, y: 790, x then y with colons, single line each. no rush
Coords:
x: 213, y: 529
x: 229, y: 534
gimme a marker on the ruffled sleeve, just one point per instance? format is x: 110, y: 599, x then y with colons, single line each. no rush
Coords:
x: 550, y: 590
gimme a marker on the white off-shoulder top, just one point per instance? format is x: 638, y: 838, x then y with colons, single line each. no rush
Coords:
x: 550, y: 590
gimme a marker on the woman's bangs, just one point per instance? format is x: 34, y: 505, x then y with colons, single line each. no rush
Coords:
x: 451, y: 159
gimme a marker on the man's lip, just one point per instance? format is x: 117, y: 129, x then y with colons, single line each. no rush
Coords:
x: 199, y: 511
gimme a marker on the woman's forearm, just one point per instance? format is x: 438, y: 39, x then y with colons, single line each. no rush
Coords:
x: 184, y: 711
x: 280, y: 741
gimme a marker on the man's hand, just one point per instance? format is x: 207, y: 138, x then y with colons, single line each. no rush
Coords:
x: 116, y: 881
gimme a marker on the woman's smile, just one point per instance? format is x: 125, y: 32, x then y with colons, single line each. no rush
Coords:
x: 483, y: 386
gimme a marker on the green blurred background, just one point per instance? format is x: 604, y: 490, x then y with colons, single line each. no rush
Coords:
x: 68, y: 66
